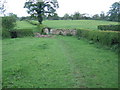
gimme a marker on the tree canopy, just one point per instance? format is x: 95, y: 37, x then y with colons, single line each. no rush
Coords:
x: 114, y: 12
x: 38, y: 8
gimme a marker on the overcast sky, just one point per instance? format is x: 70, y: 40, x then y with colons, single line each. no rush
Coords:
x: 66, y: 6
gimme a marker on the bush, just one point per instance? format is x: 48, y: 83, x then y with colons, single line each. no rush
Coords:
x: 8, y: 22
x: 5, y: 34
x: 109, y: 27
x: 108, y: 38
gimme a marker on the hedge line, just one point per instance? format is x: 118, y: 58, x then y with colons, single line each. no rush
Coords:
x: 108, y: 38
x: 109, y: 27
x: 22, y: 32
x: 19, y: 32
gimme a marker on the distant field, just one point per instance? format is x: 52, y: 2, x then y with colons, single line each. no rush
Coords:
x: 72, y: 24
x: 77, y: 24
x: 67, y: 24
x: 24, y: 25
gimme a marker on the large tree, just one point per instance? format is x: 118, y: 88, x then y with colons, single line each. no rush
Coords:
x: 38, y: 8
x: 114, y: 12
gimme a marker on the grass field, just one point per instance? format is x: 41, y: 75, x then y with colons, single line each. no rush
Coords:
x: 77, y: 24
x: 66, y: 24
x: 24, y: 25
x: 58, y: 62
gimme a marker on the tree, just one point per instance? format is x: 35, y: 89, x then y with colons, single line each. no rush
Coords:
x: 77, y: 16
x: 114, y: 12
x: 38, y: 8
x: 53, y: 17
x: 96, y: 17
x: 102, y: 16
x: 66, y: 16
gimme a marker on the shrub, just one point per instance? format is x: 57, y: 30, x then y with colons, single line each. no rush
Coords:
x: 108, y: 38
x: 8, y: 22
x: 5, y: 34
x: 109, y: 27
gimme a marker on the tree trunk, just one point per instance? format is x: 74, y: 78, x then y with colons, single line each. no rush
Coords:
x: 40, y: 19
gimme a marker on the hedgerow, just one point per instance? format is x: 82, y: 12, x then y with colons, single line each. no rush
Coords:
x: 19, y: 32
x: 109, y: 27
x: 108, y: 38
x: 22, y: 32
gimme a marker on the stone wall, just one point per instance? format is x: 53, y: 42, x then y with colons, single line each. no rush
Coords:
x: 60, y: 31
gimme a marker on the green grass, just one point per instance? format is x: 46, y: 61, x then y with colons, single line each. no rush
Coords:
x: 77, y: 24
x: 66, y: 24
x: 57, y: 62
x: 24, y: 25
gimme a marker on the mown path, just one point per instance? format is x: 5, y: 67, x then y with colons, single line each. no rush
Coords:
x: 59, y: 62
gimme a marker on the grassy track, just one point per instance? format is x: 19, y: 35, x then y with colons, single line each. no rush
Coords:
x: 77, y: 24
x: 57, y: 62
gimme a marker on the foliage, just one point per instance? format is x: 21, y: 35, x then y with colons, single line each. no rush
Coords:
x: 103, y: 16
x: 19, y: 33
x: 24, y: 32
x: 5, y: 34
x: 8, y: 22
x: 66, y: 16
x: 37, y: 8
x: 77, y: 16
x: 53, y: 17
x: 108, y: 38
x: 114, y: 12
x: 63, y: 62
x: 109, y: 27
x: 96, y: 17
